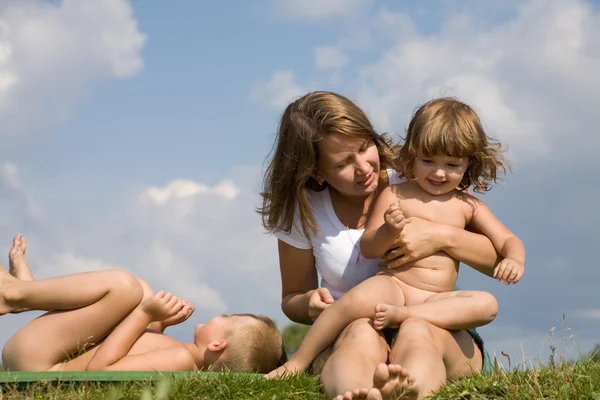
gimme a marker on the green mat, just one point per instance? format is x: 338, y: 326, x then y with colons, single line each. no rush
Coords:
x: 98, y: 376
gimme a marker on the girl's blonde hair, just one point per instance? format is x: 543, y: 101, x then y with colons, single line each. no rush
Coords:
x: 447, y: 126
x: 304, y: 124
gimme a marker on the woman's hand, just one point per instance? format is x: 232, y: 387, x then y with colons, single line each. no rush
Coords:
x: 319, y: 300
x: 418, y: 239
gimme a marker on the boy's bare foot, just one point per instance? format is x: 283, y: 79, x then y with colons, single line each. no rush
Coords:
x: 186, y: 312
x: 6, y: 291
x: 387, y: 316
x: 18, y: 266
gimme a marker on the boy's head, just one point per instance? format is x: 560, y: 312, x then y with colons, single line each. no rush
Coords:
x: 241, y: 342
x: 449, y: 127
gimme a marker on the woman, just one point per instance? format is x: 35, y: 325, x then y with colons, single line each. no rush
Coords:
x: 328, y: 167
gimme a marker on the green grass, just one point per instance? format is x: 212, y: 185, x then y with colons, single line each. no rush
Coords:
x: 569, y: 381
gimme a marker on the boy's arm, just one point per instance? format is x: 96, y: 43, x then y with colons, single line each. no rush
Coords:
x: 118, y: 343
x: 177, y: 358
x: 378, y: 236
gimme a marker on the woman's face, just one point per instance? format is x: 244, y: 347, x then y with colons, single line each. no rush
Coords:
x: 349, y: 165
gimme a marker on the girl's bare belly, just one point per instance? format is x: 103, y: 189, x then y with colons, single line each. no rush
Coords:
x: 424, y: 278
x: 148, y: 341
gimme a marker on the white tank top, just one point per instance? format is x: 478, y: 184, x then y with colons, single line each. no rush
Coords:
x: 335, y: 247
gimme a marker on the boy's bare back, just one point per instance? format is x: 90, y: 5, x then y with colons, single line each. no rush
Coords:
x: 436, y: 273
x: 148, y: 341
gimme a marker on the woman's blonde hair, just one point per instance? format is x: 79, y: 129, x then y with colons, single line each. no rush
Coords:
x: 304, y: 124
x: 447, y: 126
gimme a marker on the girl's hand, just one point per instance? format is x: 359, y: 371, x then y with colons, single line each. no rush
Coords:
x: 509, y: 271
x: 394, y: 218
x: 418, y: 239
x: 162, y: 306
x: 319, y: 300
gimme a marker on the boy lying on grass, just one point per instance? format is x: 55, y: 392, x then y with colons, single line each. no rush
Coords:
x: 110, y: 320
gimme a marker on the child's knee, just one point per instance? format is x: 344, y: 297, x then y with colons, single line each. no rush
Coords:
x: 489, y: 306
x: 126, y: 285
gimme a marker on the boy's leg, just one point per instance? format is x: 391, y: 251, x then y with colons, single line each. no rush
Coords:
x: 457, y: 310
x: 89, y: 305
x: 359, y: 302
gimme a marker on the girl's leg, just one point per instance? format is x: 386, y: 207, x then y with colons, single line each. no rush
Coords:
x: 86, y: 308
x: 353, y: 358
x: 428, y: 356
x: 457, y: 310
x: 358, y: 303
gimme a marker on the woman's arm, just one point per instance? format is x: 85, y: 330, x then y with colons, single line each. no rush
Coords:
x: 421, y: 238
x: 302, y: 301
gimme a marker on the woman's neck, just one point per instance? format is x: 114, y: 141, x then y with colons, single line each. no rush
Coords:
x: 352, y: 211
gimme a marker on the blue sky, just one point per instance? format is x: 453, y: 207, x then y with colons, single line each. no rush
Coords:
x: 134, y: 135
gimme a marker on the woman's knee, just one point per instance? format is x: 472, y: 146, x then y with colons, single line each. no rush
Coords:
x: 357, y: 342
x: 360, y: 330
x: 415, y: 329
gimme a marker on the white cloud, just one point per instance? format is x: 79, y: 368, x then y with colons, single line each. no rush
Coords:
x: 213, y: 253
x: 328, y: 57
x: 517, y: 74
x: 182, y: 188
x: 280, y: 90
x: 50, y: 52
x: 590, y: 313
x: 319, y: 10
x: 10, y: 183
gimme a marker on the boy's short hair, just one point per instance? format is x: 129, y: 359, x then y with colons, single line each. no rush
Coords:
x: 254, y: 347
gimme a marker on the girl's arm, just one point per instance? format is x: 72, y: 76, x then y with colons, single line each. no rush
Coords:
x: 509, y: 246
x: 380, y: 235
x: 302, y: 300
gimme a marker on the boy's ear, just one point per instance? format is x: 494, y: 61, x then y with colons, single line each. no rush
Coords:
x: 217, y: 346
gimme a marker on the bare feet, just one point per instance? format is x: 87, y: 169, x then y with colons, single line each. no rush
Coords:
x: 390, y: 382
x: 186, y: 312
x: 6, y: 284
x: 387, y: 316
x: 394, y: 382
x: 289, y: 368
x: 19, y: 268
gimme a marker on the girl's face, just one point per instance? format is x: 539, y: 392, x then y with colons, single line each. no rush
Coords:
x: 349, y: 165
x: 438, y: 174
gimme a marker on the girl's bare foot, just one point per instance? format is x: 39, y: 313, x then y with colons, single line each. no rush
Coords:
x: 6, y: 291
x: 18, y: 266
x: 289, y: 368
x: 387, y: 316
x: 394, y: 382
